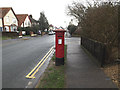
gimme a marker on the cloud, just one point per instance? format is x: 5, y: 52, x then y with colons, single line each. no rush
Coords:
x: 54, y: 9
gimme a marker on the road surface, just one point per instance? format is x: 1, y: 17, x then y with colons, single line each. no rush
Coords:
x: 19, y: 57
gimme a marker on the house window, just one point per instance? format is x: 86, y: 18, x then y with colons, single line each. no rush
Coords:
x: 14, y: 20
x: 11, y: 28
x: 28, y: 23
x: 15, y: 29
x: 6, y: 28
x: 7, y: 19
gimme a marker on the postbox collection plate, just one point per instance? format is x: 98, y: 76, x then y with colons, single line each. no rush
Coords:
x: 59, y: 41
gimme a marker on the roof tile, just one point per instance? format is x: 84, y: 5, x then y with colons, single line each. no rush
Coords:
x: 4, y: 11
x: 21, y: 18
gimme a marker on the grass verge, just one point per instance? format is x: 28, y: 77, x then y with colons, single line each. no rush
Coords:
x: 53, y: 76
x: 75, y: 35
x: 7, y: 37
x: 26, y: 35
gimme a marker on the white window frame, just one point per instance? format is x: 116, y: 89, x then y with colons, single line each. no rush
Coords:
x: 15, y: 29
x: 28, y: 23
x: 7, y: 28
x: 12, y: 29
x: 14, y: 20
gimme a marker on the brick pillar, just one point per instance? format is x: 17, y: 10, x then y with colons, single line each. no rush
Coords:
x: 9, y: 29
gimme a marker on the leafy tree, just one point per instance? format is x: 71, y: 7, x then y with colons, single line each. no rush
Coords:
x: 72, y: 28
x: 20, y: 29
x: 27, y: 29
x: 35, y: 28
x: 43, y: 22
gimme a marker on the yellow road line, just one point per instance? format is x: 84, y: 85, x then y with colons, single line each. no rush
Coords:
x: 28, y: 76
x: 32, y: 76
x: 39, y: 63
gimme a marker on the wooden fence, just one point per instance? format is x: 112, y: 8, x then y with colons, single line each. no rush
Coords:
x: 10, y: 34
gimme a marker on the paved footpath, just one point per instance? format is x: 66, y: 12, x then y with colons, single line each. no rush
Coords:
x: 81, y: 71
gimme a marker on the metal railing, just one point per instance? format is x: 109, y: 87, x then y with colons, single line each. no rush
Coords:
x: 97, y: 49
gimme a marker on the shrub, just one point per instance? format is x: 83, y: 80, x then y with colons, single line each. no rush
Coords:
x: 72, y: 29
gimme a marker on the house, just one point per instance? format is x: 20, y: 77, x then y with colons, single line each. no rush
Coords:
x: 50, y: 30
x: 8, y: 20
x: 33, y: 21
x: 1, y: 25
x: 24, y: 20
x: 34, y: 24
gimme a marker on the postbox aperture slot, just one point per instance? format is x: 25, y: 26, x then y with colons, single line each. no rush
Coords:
x: 59, y: 36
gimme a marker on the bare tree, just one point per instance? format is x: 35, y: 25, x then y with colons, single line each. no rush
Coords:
x: 98, y: 20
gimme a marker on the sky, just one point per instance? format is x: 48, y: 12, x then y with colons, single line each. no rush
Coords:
x: 55, y: 10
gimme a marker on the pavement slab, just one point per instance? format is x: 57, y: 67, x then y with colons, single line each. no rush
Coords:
x: 81, y: 71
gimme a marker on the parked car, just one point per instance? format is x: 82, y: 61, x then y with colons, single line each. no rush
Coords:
x: 23, y: 32
x: 33, y: 35
x: 51, y: 32
x: 39, y: 32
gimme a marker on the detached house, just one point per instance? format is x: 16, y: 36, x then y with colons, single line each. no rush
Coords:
x: 8, y: 20
x: 33, y: 21
x: 24, y: 20
x: 1, y: 25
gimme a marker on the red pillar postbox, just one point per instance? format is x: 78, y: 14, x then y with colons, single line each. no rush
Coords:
x: 59, y: 36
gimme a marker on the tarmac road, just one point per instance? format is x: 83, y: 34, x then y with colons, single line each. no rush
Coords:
x: 19, y: 57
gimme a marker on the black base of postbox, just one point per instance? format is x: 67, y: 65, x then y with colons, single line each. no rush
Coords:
x: 59, y: 61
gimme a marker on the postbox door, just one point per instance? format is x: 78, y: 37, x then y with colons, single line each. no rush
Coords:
x: 60, y: 44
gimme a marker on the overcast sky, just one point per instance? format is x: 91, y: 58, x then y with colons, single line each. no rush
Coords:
x: 54, y: 9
